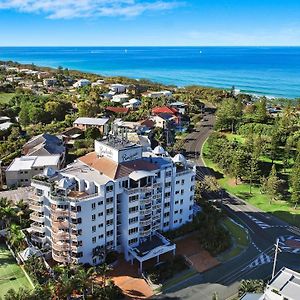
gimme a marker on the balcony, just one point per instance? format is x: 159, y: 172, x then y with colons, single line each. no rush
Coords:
x: 36, y: 198
x: 60, y: 258
x: 58, y: 212
x: 144, y: 212
x: 181, y: 173
x: 37, y: 208
x: 145, y: 233
x: 58, y: 225
x: 145, y: 201
x: 37, y: 217
x: 146, y: 222
x: 155, y: 217
x: 37, y: 227
x: 38, y: 239
x: 59, y: 246
x: 59, y: 235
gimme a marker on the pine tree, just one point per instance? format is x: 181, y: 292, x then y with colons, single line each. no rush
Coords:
x: 273, y: 183
x: 295, y: 182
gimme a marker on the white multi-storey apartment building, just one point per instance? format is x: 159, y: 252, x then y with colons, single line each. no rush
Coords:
x: 117, y: 197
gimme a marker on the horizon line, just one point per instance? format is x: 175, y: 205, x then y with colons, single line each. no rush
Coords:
x: 131, y: 46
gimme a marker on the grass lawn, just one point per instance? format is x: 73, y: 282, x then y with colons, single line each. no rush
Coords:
x: 11, y: 274
x: 5, y: 97
x: 237, y: 137
x: 240, y: 237
x: 280, y: 209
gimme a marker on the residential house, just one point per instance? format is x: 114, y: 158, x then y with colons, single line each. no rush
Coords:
x: 45, y: 145
x: 120, y: 98
x: 22, y: 169
x: 113, y: 110
x: 84, y: 123
x: 81, y: 83
x: 49, y: 82
x: 132, y: 104
x: 118, y: 88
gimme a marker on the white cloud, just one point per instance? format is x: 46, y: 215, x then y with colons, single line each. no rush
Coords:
x: 66, y: 9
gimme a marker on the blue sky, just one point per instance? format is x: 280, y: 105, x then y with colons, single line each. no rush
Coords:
x: 149, y: 22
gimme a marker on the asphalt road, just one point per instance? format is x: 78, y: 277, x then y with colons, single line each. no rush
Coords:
x: 256, y: 261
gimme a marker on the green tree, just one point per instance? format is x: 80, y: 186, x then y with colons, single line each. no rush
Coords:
x: 295, y: 182
x: 273, y: 184
x: 88, y: 108
x: 92, y: 133
x: 251, y: 286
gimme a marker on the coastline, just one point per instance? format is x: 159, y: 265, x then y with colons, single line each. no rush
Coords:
x: 254, y: 94
x: 262, y: 71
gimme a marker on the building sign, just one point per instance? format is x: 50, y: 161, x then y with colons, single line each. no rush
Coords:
x: 130, y: 154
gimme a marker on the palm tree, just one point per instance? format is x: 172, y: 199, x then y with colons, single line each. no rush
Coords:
x: 16, y: 236
x: 103, y: 270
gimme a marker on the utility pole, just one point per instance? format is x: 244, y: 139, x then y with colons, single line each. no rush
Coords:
x: 275, y: 257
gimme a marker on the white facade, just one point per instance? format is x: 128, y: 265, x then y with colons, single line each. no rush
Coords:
x: 118, y: 88
x: 81, y: 83
x: 22, y: 169
x: 117, y: 198
x: 120, y: 98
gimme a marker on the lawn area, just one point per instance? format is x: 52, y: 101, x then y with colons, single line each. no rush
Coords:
x: 11, y: 274
x: 5, y: 97
x: 237, y: 137
x: 240, y: 240
x: 280, y: 209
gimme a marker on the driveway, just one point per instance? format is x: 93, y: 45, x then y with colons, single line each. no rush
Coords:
x: 126, y: 277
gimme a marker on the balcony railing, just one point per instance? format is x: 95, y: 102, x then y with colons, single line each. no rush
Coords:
x: 38, y: 239
x: 61, y: 246
x: 58, y: 212
x: 60, y: 258
x: 146, y: 201
x: 146, y: 222
x: 38, y: 208
x: 181, y: 173
x: 145, y: 211
x: 57, y: 225
x: 36, y: 217
x: 59, y: 235
x: 37, y: 227
x: 144, y: 233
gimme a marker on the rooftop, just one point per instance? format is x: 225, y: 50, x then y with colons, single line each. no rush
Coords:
x: 287, y: 283
x: 92, y: 121
x: 28, y: 162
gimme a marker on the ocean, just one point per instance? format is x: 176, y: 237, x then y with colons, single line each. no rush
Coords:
x: 270, y: 71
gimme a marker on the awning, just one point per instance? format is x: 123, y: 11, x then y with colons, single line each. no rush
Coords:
x: 137, y: 175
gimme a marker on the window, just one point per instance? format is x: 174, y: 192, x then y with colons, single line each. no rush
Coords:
x: 93, y: 205
x: 133, y: 241
x: 100, y: 225
x: 193, y: 178
x: 109, y: 211
x: 100, y: 214
x: 109, y: 200
x: 168, y: 173
x: 109, y: 222
x: 94, y: 260
x: 109, y: 188
x: 125, y: 184
x: 93, y: 217
x: 190, y: 207
x: 192, y: 188
x: 101, y: 236
x: 180, y: 211
x: 168, y: 184
x: 167, y: 204
x: 176, y: 212
x: 181, y: 201
x: 182, y: 181
x: 133, y: 230
x: 79, y: 254
x: 39, y: 192
x: 100, y: 203
x: 109, y: 244
x: 177, y: 192
x: 176, y: 202
x: 168, y: 194
x: 94, y: 240
x: 175, y: 221
x: 166, y: 224
x: 182, y: 192
x: 93, y: 228
x: 166, y: 214
x: 192, y: 198
x: 177, y: 181
x: 133, y: 209
x: 110, y: 233
x: 78, y: 208
x: 133, y: 220
x: 133, y: 198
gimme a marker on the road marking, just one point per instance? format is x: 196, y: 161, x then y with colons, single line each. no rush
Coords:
x: 261, y: 260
